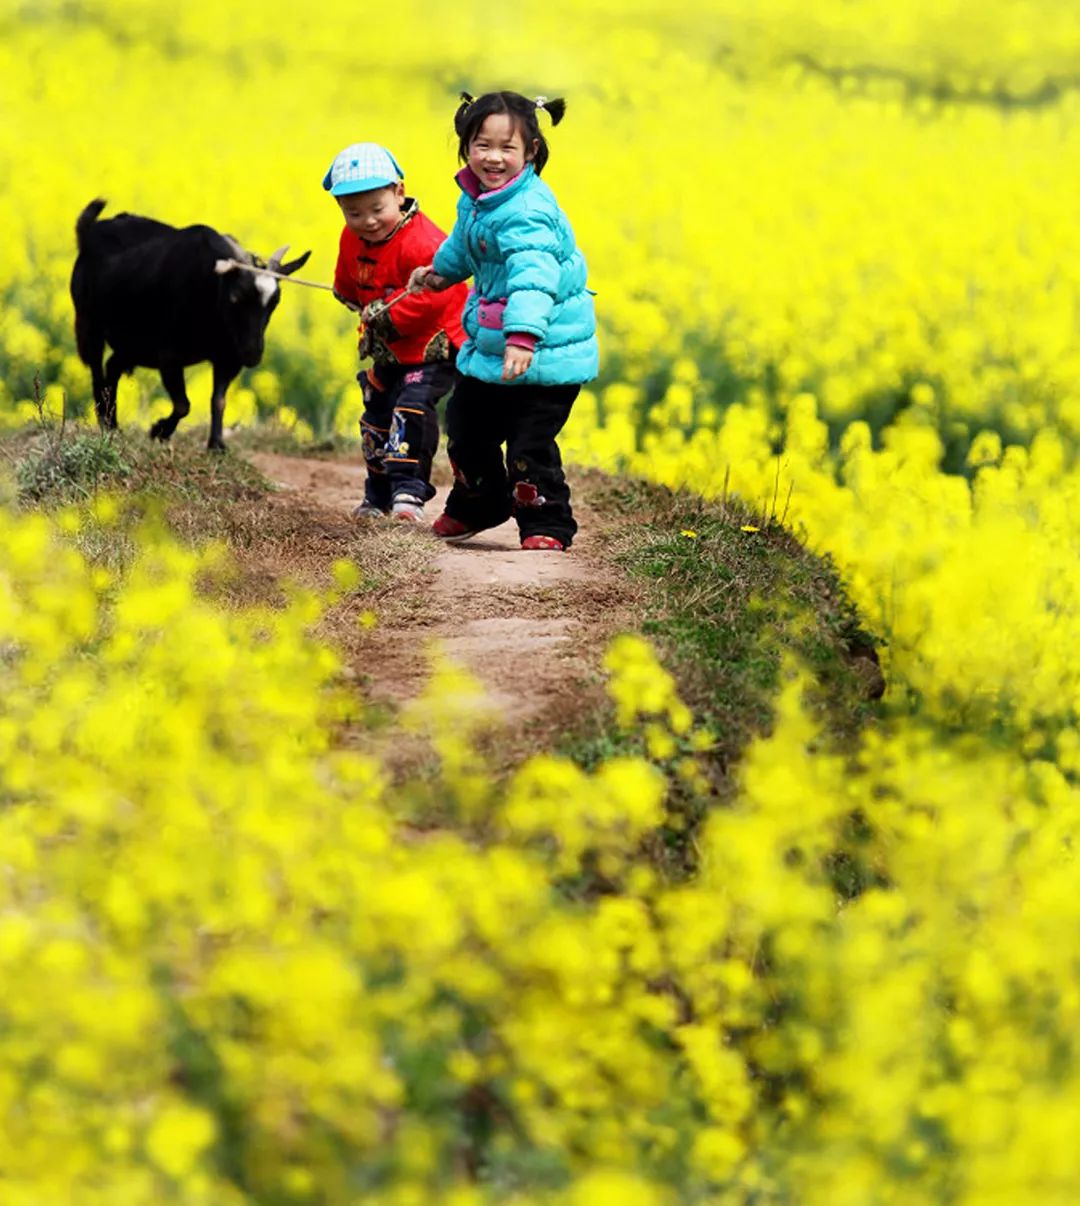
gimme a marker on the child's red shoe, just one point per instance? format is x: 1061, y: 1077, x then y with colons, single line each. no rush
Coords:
x: 452, y: 530
x: 543, y: 542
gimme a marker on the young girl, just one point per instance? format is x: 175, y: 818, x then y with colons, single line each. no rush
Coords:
x: 529, y: 325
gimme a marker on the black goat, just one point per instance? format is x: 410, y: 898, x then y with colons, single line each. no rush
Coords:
x: 166, y: 298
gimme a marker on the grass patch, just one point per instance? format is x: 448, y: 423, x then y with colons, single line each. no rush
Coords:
x: 63, y: 468
x: 60, y: 463
x: 725, y: 607
x: 200, y: 496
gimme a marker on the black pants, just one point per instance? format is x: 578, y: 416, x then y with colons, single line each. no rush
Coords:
x: 529, y: 484
x: 400, y: 429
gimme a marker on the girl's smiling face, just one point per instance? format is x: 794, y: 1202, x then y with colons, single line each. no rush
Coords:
x: 498, y: 152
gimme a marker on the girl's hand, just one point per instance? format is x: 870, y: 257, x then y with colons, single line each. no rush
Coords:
x: 425, y: 278
x: 516, y: 361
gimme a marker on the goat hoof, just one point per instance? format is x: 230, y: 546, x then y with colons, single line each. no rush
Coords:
x: 219, y: 446
x: 160, y: 430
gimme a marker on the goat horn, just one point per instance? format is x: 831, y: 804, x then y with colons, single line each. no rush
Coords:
x: 276, y: 258
x: 239, y: 252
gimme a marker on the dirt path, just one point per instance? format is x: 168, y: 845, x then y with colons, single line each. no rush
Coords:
x: 531, y: 626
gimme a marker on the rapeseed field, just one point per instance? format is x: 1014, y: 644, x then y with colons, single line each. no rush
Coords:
x: 837, y: 261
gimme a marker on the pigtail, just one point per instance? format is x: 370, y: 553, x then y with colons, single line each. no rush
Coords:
x: 555, y: 109
x: 459, y: 115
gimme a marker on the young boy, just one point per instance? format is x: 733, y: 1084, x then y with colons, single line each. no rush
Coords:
x: 413, y: 342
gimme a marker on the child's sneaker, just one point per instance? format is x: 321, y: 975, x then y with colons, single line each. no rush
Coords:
x: 407, y: 507
x: 368, y: 510
x: 543, y: 542
x: 452, y: 530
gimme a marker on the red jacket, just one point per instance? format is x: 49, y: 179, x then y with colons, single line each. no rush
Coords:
x: 420, y: 328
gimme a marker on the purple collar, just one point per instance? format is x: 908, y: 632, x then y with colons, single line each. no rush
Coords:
x: 470, y: 183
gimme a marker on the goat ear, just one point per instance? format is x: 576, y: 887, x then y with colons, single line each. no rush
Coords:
x: 223, y: 266
x: 293, y: 265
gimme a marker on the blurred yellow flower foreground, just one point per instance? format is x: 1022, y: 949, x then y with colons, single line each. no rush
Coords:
x: 234, y: 973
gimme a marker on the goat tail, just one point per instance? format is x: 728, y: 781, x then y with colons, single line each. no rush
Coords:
x: 87, y: 219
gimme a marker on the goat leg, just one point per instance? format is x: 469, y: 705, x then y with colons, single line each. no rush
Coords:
x: 106, y: 411
x: 222, y: 380
x: 91, y: 345
x: 172, y: 377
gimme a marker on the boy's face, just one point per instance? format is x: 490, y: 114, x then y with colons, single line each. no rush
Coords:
x: 498, y: 152
x: 374, y: 214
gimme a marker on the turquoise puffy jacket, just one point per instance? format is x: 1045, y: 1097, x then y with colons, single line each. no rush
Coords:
x: 528, y: 276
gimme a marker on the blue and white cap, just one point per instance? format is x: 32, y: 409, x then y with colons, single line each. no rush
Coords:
x: 360, y: 167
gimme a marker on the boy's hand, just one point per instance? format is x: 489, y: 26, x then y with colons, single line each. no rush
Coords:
x: 425, y: 278
x: 348, y: 304
x: 516, y: 361
x: 378, y: 325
